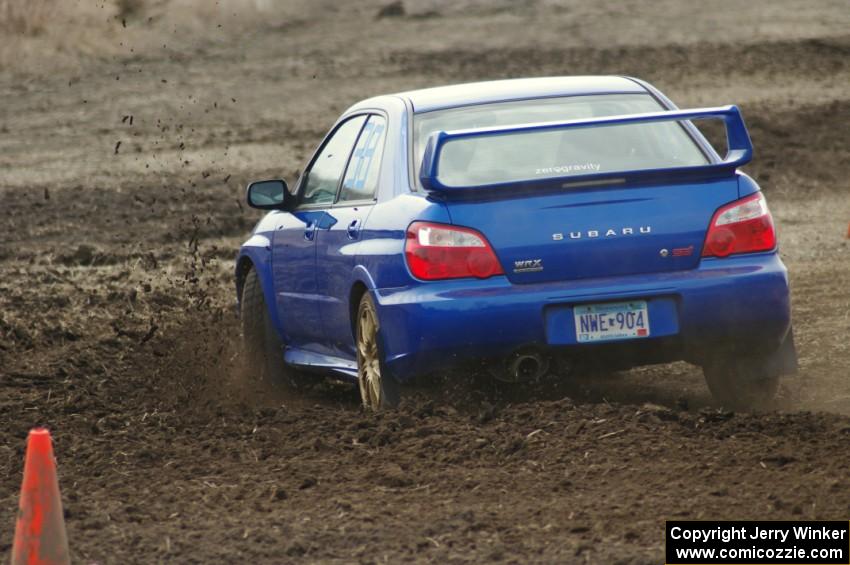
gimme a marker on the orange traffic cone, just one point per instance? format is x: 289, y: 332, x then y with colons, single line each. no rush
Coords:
x: 40, y: 537
x: 848, y: 231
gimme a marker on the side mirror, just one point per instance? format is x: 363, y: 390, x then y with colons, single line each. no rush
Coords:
x: 269, y: 195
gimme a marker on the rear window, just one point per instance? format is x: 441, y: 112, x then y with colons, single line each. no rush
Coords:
x: 536, y: 155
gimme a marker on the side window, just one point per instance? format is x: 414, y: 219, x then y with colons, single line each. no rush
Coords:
x: 361, y: 177
x: 323, y: 177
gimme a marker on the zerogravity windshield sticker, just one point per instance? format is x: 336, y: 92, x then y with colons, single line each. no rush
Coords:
x: 583, y: 167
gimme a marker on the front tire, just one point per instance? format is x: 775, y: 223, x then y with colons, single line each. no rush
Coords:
x: 378, y: 389
x: 261, y: 344
x: 743, y: 383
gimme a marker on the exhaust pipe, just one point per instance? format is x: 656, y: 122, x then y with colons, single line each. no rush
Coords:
x: 522, y: 366
x: 525, y: 367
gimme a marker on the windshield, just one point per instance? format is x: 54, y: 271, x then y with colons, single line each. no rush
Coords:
x: 560, y: 153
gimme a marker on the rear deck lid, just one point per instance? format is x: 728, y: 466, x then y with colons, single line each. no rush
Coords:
x: 598, y: 231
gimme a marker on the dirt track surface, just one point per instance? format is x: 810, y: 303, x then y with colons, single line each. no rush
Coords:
x: 117, y: 327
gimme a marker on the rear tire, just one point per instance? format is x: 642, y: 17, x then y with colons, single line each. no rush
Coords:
x: 743, y: 383
x: 262, y: 346
x: 378, y: 389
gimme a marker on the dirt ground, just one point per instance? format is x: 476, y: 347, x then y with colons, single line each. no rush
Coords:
x: 121, y: 182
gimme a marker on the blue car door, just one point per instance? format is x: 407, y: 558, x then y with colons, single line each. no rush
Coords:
x: 294, y: 244
x: 337, y: 242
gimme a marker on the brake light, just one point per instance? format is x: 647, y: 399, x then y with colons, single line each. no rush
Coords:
x: 744, y: 226
x: 439, y: 251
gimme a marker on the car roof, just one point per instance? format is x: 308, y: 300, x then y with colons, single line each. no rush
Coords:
x: 442, y: 97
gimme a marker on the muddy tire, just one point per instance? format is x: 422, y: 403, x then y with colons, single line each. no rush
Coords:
x: 378, y: 389
x: 261, y: 344
x: 743, y: 383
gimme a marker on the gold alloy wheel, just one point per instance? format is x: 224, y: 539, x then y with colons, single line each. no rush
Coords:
x: 368, y: 359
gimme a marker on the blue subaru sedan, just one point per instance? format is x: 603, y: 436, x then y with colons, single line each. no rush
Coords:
x: 527, y: 226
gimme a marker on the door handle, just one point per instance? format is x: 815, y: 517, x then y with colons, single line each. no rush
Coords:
x: 353, y: 229
x: 310, y: 231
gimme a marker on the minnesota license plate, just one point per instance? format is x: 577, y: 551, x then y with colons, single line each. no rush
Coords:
x: 620, y: 320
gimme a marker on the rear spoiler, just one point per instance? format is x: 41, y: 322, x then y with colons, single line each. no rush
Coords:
x: 740, y: 149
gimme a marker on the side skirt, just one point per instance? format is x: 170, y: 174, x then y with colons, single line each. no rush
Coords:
x: 345, y: 369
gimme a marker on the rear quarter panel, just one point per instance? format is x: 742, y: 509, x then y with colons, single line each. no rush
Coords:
x: 380, y: 256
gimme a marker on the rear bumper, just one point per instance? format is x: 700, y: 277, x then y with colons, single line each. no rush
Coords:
x: 736, y: 302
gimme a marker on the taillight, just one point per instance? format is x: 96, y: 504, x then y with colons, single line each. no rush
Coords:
x: 744, y: 226
x: 439, y: 251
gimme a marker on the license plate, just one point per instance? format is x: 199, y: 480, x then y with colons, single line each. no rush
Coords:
x: 603, y: 322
